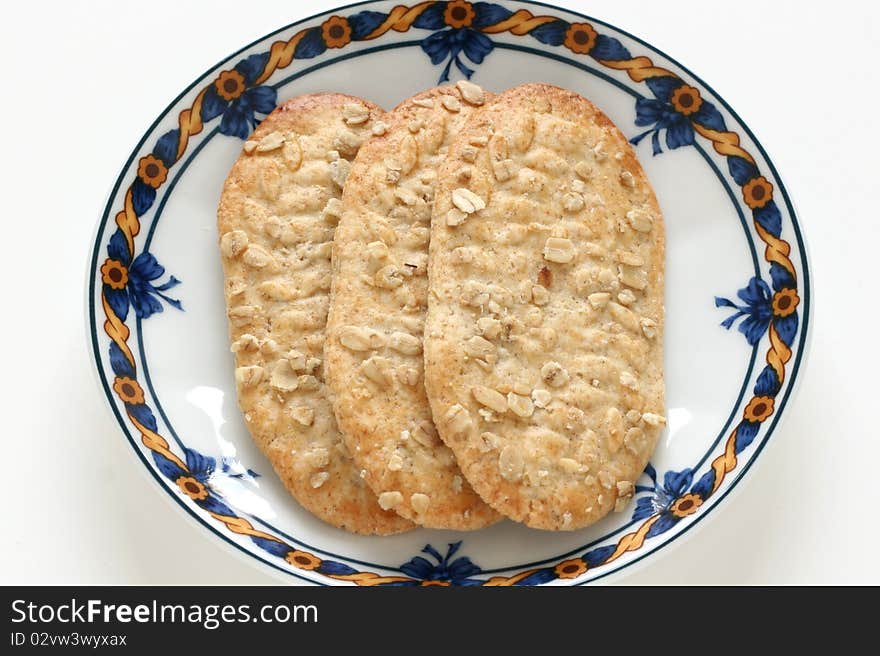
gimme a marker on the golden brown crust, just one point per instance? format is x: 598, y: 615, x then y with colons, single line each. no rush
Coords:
x: 380, y: 293
x: 543, y: 339
x: 275, y: 221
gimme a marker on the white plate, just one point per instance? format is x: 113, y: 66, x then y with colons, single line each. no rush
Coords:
x: 158, y: 324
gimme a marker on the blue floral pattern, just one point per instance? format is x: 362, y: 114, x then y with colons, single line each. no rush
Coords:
x: 194, y: 479
x: 203, y: 467
x: 661, y: 495
x: 235, y: 98
x: 450, y: 44
x: 456, y: 36
x: 234, y: 469
x: 445, y: 569
x: 757, y: 311
x: 200, y: 466
x: 764, y: 306
x: 674, y: 108
x: 139, y: 275
x: 672, y: 500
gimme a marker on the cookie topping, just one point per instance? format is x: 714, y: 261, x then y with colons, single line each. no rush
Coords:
x: 467, y: 201
x: 471, y: 92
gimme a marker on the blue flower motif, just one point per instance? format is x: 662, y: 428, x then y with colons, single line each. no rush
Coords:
x: 234, y: 469
x: 758, y: 310
x: 450, y: 44
x: 200, y: 466
x: 233, y: 95
x: 460, y: 38
x: 662, y: 496
x: 671, y: 501
x: 194, y: 481
x: 675, y: 108
x: 130, y: 282
x: 446, y: 571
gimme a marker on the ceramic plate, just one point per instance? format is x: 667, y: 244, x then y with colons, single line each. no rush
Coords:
x: 737, y: 286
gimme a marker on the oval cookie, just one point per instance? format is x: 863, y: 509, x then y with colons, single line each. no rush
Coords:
x: 276, y: 218
x: 374, y: 331
x: 544, y: 333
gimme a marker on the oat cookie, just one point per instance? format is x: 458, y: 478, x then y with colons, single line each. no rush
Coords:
x: 544, y: 333
x: 276, y: 219
x: 373, y: 351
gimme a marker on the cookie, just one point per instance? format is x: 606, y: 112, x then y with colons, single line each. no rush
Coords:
x: 276, y: 219
x: 373, y: 351
x: 544, y: 333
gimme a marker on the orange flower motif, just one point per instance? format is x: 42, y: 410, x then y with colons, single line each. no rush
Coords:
x: 128, y: 390
x: 759, y: 408
x: 114, y: 273
x: 570, y: 569
x: 785, y: 301
x: 152, y: 171
x: 686, y: 505
x: 433, y: 584
x: 580, y: 38
x: 686, y: 100
x: 230, y: 85
x: 192, y: 488
x: 336, y: 32
x: 459, y: 14
x: 757, y: 192
x: 302, y: 559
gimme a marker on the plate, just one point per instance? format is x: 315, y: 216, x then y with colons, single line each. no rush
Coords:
x: 737, y: 286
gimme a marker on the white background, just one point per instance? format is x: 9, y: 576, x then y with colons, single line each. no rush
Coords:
x: 80, y: 83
